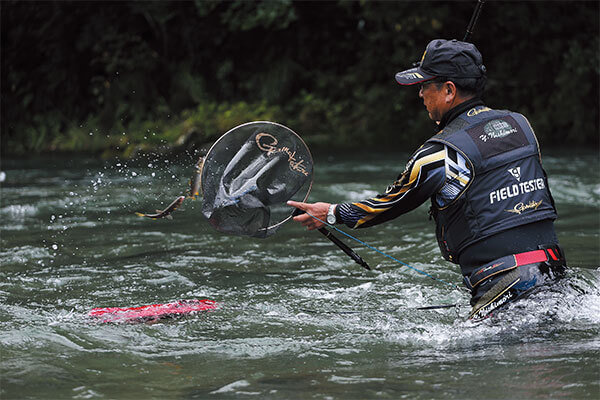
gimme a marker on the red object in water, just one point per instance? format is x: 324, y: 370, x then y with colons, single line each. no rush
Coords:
x: 152, y: 312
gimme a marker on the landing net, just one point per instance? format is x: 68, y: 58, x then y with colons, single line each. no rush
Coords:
x: 250, y: 173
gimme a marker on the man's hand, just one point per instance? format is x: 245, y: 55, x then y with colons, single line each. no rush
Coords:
x: 318, y: 210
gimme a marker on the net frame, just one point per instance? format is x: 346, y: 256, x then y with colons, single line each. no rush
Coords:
x: 216, y: 144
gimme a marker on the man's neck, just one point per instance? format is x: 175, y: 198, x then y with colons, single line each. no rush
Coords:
x: 457, y: 110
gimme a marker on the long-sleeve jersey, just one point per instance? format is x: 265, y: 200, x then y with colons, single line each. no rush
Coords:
x: 434, y: 170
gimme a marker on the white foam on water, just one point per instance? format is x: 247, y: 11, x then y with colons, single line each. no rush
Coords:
x: 352, y: 191
x: 232, y: 387
x: 170, y: 277
x: 344, y: 380
x: 55, y: 319
x: 573, y: 190
x: 14, y: 227
x: 551, y: 309
x: 19, y: 211
x: 24, y: 254
x: 339, y: 293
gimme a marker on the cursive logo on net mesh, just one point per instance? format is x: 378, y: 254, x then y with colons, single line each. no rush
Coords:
x: 268, y: 143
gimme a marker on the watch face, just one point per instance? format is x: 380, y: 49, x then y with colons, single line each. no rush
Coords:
x: 331, y: 219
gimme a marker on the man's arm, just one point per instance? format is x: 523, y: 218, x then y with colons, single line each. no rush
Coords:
x: 423, y: 176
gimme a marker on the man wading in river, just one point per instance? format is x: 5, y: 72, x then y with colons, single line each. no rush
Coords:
x: 490, y: 199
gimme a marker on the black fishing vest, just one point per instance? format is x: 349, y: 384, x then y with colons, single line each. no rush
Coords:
x: 508, y: 186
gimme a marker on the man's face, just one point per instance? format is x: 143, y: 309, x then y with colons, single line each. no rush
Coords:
x: 434, y: 97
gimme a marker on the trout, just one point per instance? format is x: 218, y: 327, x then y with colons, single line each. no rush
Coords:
x: 166, y: 213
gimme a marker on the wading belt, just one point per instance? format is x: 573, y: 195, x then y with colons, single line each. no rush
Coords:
x: 552, y: 254
x: 547, y: 257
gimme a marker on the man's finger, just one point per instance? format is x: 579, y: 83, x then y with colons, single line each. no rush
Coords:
x: 297, y: 204
x: 298, y: 214
x: 302, y: 218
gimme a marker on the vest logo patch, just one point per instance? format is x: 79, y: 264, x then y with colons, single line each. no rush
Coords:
x: 515, y: 172
x: 520, y: 207
x: 498, y: 135
x: 517, y: 189
x: 496, y: 129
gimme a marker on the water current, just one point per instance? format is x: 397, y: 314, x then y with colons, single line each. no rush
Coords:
x: 296, y: 317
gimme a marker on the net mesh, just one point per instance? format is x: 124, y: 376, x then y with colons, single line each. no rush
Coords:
x: 250, y: 173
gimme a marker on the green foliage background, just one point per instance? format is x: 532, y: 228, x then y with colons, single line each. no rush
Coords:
x: 108, y: 77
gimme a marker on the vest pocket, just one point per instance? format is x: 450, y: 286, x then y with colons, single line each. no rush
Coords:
x: 443, y: 244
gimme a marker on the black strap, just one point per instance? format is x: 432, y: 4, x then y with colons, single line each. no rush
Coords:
x: 343, y: 246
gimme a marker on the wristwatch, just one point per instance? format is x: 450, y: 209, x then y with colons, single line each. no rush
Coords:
x: 331, y: 219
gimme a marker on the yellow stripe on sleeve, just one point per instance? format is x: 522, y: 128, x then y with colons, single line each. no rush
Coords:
x: 414, y: 173
x: 457, y: 177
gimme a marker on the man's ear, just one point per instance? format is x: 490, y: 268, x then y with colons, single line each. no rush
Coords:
x: 451, y: 91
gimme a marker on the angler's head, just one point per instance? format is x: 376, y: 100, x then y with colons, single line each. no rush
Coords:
x: 453, y: 69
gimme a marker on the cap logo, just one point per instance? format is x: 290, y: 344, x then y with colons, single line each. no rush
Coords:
x: 411, y: 75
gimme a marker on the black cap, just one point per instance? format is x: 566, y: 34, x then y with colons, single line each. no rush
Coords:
x: 446, y: 58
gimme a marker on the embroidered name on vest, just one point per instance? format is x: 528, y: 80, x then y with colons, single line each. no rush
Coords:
x: 498, y: 136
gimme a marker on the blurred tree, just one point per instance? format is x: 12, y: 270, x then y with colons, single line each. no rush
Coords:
x: 326, y: 69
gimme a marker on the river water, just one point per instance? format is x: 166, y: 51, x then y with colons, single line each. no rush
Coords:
x: 296, y: 317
